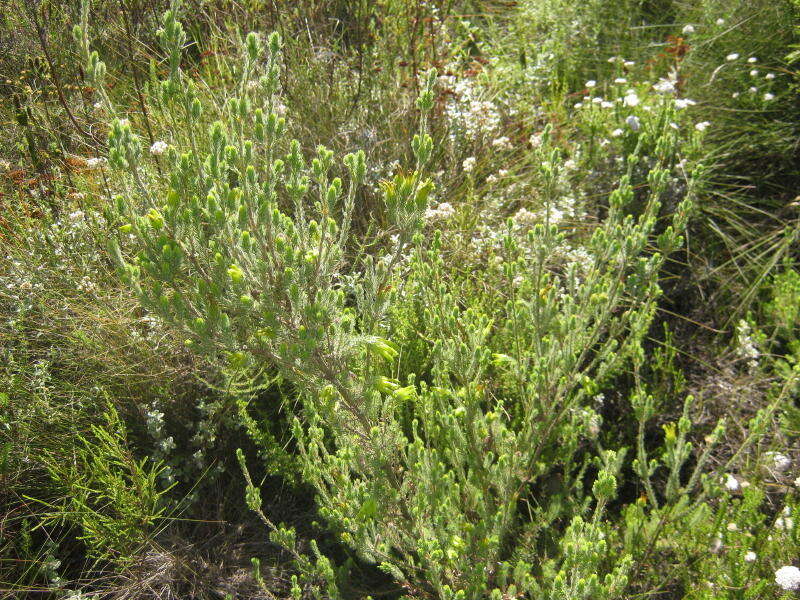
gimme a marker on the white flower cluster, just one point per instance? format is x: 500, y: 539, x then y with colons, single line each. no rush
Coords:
x: 158, y: 148
x: 467, y: 112
x: 442, y: 211
x: 788, y: 578
x: 746, y: 346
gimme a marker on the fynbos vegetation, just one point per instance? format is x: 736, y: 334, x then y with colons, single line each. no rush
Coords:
x: 422, y: 300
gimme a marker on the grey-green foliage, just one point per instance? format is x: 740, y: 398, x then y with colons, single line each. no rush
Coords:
x: 241, y: 247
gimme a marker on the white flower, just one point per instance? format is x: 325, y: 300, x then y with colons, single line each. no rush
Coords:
x: 491, y: 179
x: 784, y: 523
x: 702, y: 125
x: 597, y: 100
x: 731, y: 483
x: 674, y: 125
x: 720, y: 21
x: 716, y: 545
x: 591, y: 83
x: 620, y: 80
x: 617, y: 132
x: 684, y: 102
x: 753, y: 89
x: 750, y: 556
x: 664, y: 86
x: 780, y: 462
x: 633, y: 122
x: 158, y: 148
x: 94, y: 163
x: 732, y: 56
x: 501, y: 142
x: 788, y: 578
x: 687, y: 29
x: 754, y: 73
x: 535, y: 140
x: 468, y: 164
x: 606, y: 104
x: 735, y: 95
x: 797, y: 482
x: 579, y: 105
x: 443, y: 211
x: 769, y: 96
x: 503, y: 172
x: 752, y: 60
x: 631, y: 99
x: 769, y: 76
x: 76, y: 216
x: 97, y: 105
x: 525, y: 217
x: 628, y: 64
x: 733, y: 527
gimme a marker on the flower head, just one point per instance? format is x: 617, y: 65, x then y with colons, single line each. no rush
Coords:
x: 633, y: 122
x: 469, y: 164
x: 702, y: 125
x: 750, y: 556
x: 687, y: 29
x: 732, y: 56
x: 788, y: 577
x: 158, y: 148
x: 731, y: 483
x: 631, y: 99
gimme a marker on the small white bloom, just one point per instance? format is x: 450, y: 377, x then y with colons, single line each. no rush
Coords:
x: 633, y: 122
x: 158, y: 148
x: 97, y: 105
x: 687, y: 29
x: 94, y: 163
x: 732, y: 56
x: 631, y: 99
x: 502, y: 142
x: 491, y: 179
x: 579, y: 105
x: 674, y: 125
x: 606, y: 104
x: 620, y: 80
x: 591, y: 83
x: 780, y: 461
x: 797, y: 482
x: 597, y: 100
x: 681, y: 103
x: 735, y: 95
x: 720, y: 21
x: 76, y: 216
x: 788, y: 577
x: 716, y: 545
x: 628, y: 64
x: 754, y: 73
x: 733, y: 527
x: 468, y: 164
x: 731, y: 483
x: 753, y: 89
x: 769, y: 76
x: 752, y: 60
x: 769, y: 96
x: 617, y: 132
x: 503, y: 172
x: 664, y: 86
x: 784, y: 523
x: 535, y: 140
x: 702, y: 125
x: 750, y: 556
